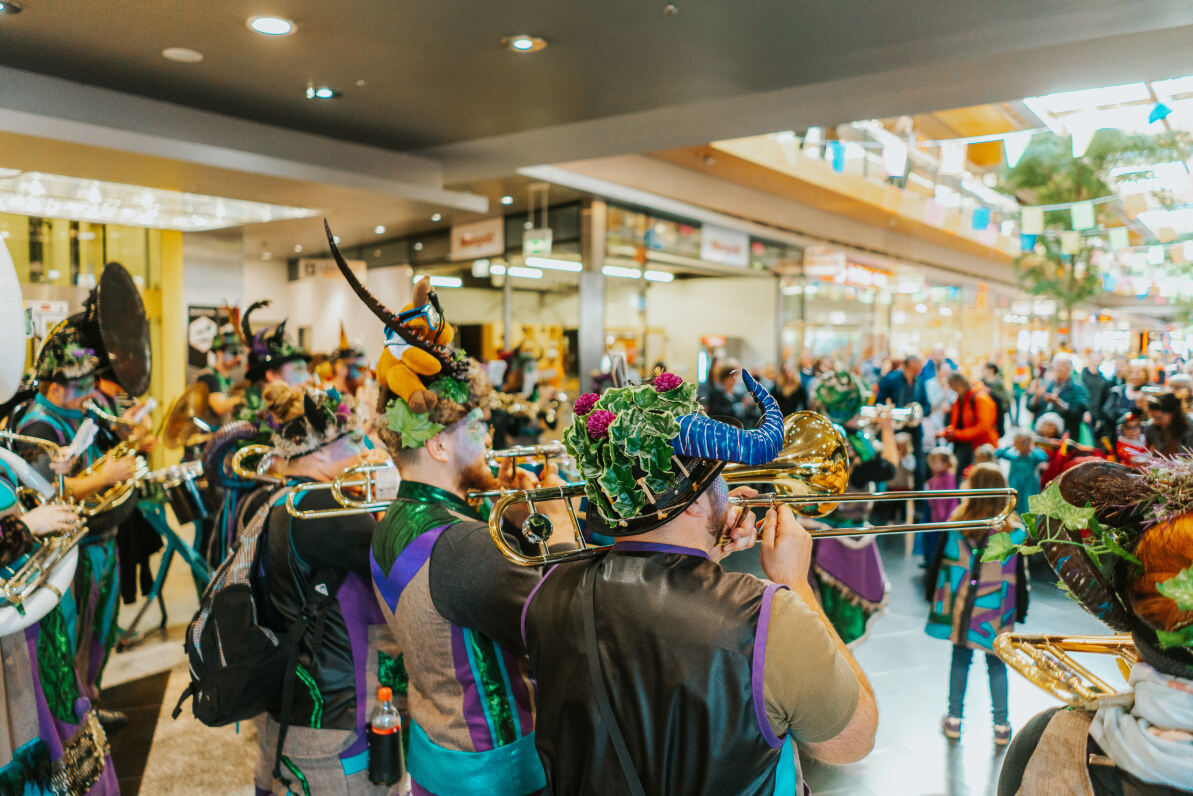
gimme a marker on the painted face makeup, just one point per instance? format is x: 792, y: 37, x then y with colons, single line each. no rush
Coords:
x: 78, y: 390
x: 295, y: 373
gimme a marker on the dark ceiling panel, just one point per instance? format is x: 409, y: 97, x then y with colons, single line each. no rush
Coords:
x: 434, y: 72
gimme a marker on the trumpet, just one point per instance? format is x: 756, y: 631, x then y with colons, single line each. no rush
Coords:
x: 902, y: 417
x: 1046, y: 661
x: 260, y: 474
x: 810, y: 473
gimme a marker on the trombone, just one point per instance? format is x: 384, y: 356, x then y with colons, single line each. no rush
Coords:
x: 260, y: 473
x: 902, y: 417
x: 1046, y: 661
x: 810, y: 474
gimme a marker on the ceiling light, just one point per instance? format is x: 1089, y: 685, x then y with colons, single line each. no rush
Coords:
x: 298, y: 248
x: 554, y: 264
x: 266, y: 255
x: 446, y: 281
x: 379, y: 229
x: 10, y: 7
x: 621, y: 272
x: 497, y: 270
x: 271, y: 26
x: 436, y: 217
x: 321, y: 92
x: 525, y: 273
x: 507, y: 200
x: 659, y: 276
x: 418, y: 245
x: 182, y: 55
x: 523, y: 43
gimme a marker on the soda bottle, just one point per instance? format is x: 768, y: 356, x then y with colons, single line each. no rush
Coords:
x: 385, y: 741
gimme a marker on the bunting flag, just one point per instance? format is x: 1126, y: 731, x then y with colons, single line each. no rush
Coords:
x: 1159, y: 112
x: 952, y: 157
x: 1081, y: 138
x: 1188, y: 247
x: 894, y: 158
x: 1070, y: 241
x: 1118, y: 238
x: 1031, y: 221
x: 981, y: 218
x: 1027, y: 242
x: 1155, y: 255
x: 836, y: 152
x: 1082, y: 214
x: 1013, y: 147
x: 1135, y: 204
x: 1165, y: 234
x: 933, y: 213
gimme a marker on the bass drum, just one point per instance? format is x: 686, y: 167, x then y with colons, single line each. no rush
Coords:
x: 43, y: 600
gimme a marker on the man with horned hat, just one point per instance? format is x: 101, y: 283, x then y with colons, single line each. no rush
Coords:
x: 452, y: 601
x: 658, y: 671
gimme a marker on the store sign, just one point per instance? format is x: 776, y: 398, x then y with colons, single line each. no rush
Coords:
x: 537, y: 242
x: 857, y: 275
x: 724, y: 246
x: 326, y: 268
x: 713, y: 341
x: 822, y: 261
x: 478, y: 239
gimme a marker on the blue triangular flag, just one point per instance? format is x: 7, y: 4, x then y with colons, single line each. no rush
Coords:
x: 1159, y: 111
x: 1027, y: 242
x: 981, y: 218
x: 837, y: 154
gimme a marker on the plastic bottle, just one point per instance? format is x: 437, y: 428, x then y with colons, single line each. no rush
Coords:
x: 385, y: 741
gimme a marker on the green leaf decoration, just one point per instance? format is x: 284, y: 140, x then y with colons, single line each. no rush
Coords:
x: 617, y: 482
x: 999, y: 547
x: 647, y: 399
x: 1179, y: 589
x: 1110, y: 540
x: 415, y: 429
x: 1177, y: 638
x: 1048, y: 503
x: 452, y: 389
x: 1076, y: 518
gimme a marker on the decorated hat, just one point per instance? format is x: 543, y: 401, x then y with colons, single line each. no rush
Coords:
x: 839, y: 395
x: 1121, y: 542
x: 648, y: 451
x: 268, y: 348
x: 304, y: 419
x: 426, y: 384
x: 64, y: 357
x: 228, y: 339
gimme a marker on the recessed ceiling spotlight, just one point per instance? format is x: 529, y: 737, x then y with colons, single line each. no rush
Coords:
x: 321, y: 92
x: 182, y: 55
x: 379, y: 229
x: 507, y: 200
x: 436, y: 217
x: 298, y: 248
x: 418, y: 245
x: 266, y: 255
x: 524, y: 43
x: 10, y: 7
x: 271, y: 26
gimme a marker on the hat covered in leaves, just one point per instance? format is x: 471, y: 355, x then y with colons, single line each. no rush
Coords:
x: 647, y: 451
x: 839, y: 395
x: 303, y: 419
x: 63, y: 357
x: 1121, y: 542
x: 268, y: 348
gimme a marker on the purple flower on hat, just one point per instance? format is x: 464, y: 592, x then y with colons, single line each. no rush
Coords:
x: 585, y: 403
x: 599, y: 422
x: 666, y: 381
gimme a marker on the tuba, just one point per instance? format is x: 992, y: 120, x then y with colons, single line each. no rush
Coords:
x: 1048, y: 661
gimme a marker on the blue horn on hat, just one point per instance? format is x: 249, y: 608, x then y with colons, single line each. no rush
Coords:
x: 706, y: 438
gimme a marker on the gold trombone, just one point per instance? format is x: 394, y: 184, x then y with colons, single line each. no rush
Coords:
x: 260, y: 473
x: 810, y: 474
x: 1047, y: 661
x: 902, y: 417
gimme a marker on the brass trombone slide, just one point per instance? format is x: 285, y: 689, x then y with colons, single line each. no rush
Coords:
x: 1047, y: 661
x: 379, y: 482
x: 261, y: 473
x: 537, y: 529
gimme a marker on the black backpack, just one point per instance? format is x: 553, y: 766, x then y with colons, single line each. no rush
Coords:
x: 239, y: 667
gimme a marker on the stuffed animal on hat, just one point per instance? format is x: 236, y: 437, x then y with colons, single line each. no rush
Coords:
x: 402, y: 362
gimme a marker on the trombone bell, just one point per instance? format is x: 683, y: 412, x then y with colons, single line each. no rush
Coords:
x: 1046, y: 661
x: 814, y: 461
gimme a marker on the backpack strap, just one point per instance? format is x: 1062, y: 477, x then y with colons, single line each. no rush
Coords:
x: 324, y: 585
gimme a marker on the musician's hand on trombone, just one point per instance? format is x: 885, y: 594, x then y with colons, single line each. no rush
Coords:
x: 51, y: 518
x: 786, y: 548
x: 118, y: 470
x: 61, y: 462
x: 738, y: 533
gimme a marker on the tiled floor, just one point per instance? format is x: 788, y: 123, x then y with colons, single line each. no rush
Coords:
x: 908, y: 670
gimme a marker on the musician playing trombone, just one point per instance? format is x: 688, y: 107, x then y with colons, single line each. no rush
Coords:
x: 658, y: 671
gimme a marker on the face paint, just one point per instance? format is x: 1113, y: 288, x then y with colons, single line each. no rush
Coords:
x: 76, y: 391
x: 295, y: 373
x: 471, y: 443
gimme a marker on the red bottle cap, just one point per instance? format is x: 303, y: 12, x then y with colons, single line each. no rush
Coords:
x: 385, y: 694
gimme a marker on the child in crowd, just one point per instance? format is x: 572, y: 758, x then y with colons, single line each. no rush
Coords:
x: 942, y: 464
x: 1026, y: 460
x: 1050, y: 429
x: 1131, y: 445
x: 985, y: 454
x: 971, y: 621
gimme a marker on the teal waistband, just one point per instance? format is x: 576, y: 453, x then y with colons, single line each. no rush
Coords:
x: 510, y: 770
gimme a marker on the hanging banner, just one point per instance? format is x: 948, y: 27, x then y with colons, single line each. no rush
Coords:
x: 1082, y: 214
x: 1118, y: 238
x: 981, y: 218
x: 1070, y: 242
x: 1031, y: 221
x: 952, y: 156
x: 478, y: 239
x: 724, y: 246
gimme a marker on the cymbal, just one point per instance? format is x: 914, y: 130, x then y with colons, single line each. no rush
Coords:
x: 124, y: 328
x: 180, y: 425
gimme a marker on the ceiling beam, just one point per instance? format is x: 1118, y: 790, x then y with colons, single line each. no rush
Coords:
x: 63, y: 110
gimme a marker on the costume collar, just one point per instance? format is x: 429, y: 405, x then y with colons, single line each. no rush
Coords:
x: 426, y: 493
x: 54, y: 409
x: 620, y: 546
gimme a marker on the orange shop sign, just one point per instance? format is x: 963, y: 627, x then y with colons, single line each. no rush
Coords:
x: 478, y: 239
x: 862, y: 276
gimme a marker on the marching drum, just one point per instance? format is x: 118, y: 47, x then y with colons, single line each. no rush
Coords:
x: 180, y: 483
